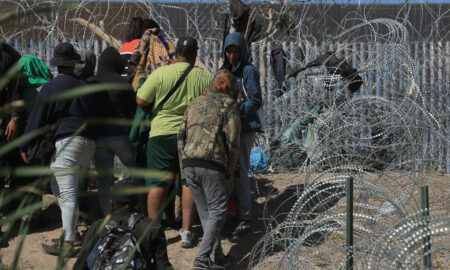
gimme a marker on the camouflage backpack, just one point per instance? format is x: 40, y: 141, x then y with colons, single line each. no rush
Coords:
x: 114, y: 248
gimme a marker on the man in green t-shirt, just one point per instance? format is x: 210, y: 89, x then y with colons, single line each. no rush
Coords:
x: 162, y: 152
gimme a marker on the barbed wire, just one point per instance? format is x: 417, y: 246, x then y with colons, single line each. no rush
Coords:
x: 390, y: 143
x: 388, y: 136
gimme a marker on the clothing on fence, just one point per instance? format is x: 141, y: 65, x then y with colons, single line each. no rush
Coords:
x: 278, y: 63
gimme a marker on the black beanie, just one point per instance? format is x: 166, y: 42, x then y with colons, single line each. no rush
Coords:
x: 149, y: 23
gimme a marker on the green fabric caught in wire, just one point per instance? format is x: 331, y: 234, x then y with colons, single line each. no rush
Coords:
x: 305, y: 131
x: 33, y: 71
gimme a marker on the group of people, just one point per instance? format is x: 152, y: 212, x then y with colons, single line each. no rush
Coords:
x: 201, y: 133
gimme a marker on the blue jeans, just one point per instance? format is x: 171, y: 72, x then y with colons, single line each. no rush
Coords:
x: 71, y: 153
x: 104, y: 158
x: 242, y: 183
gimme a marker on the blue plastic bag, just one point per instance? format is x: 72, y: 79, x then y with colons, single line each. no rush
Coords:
x: 259, y: 160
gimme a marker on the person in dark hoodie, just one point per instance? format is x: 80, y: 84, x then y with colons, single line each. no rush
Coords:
x: 208, y: 146
x: 74, y: 141
x: 86, y: 67
x: 113, y: 139
x: 249, y: 101
x: 13, y: 91
x: 10, y: 122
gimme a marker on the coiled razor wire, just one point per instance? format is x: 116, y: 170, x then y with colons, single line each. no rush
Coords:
x: 312, y: 236
x: 391, y: 143
x: 400, y: 247
x: 388, y: 137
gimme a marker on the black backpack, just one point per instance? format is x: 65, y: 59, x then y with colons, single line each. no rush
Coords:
x: 118, y: 246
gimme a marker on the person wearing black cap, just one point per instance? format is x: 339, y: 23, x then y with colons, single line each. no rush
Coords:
x: 153, y: 244
x: 162, y: 151
x: 71, y: 151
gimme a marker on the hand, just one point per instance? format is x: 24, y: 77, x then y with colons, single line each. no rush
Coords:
x: 23, y: 155
x: 12, y: 130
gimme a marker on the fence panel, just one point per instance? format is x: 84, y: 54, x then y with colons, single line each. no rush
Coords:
x: 430, y: 71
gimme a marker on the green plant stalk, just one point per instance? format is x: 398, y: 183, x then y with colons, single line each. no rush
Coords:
x: 69, y: 94
x: 23, y: 232
x: 29, y: 136
x: 349, y: 225
x: 424, y: 202
x: 24, y: 171
x: 21, y: 211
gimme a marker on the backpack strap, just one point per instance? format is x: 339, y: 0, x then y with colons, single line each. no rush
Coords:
x: 174, y: 88
x: 133, y: 220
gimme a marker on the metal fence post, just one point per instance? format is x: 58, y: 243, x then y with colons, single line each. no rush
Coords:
x: 349, y: 225
x: 424, y: 203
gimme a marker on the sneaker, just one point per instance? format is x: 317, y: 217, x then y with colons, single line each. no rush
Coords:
x: 66, y: 249
x: 187, y: 239
x: 207, y: 265
x: 77, y: 243
x: 242, y: 228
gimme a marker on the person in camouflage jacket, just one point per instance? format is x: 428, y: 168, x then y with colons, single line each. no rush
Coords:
x: 208, y: 146
x: 210, y: 128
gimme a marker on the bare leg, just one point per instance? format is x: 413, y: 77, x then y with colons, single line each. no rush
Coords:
x: 155, y: 201
x: 188, y: 209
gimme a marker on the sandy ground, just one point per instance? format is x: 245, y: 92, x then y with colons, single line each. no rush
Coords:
x: 32, y: 256
x: 280, y: 188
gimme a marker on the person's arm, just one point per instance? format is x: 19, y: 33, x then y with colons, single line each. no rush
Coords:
x: 181, y: 141
x: 254, y: 97
x: 39, y: 117
x: 232, y: 130
x: 147, y: 92
x: 142, y: 102
x: 13, y: 129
